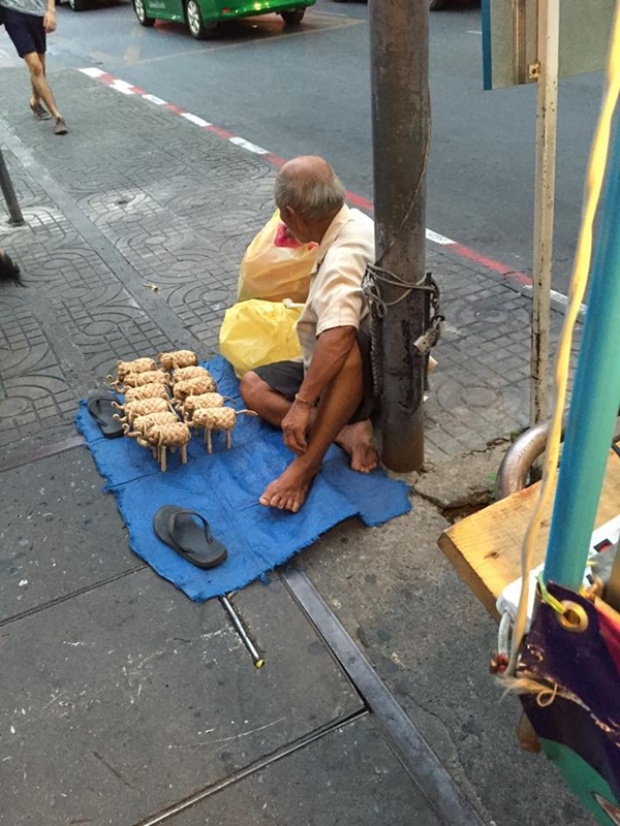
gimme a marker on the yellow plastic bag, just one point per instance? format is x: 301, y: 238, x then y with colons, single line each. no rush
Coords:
x: 275, y: 267
x: 257, y: 332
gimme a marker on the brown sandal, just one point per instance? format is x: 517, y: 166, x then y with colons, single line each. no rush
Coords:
x: 40, y: 112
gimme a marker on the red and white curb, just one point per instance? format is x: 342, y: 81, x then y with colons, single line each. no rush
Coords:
x: 127, y: 89
x: 518, y: 279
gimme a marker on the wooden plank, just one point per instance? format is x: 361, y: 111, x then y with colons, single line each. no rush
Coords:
x: 485, y: 548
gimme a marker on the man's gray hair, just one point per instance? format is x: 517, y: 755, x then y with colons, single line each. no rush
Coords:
x: 313, y: 197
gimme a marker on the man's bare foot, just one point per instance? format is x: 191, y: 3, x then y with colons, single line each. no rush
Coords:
x: 289, y: 490
x: 356, y: 439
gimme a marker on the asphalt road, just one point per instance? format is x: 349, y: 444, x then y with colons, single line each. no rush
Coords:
x: 308, y: 91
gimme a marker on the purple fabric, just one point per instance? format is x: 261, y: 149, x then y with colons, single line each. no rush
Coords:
x: 588, y: 719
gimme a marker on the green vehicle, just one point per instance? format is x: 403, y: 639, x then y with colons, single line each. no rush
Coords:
x: 201, y: 16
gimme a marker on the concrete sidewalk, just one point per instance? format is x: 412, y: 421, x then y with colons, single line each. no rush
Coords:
x: 123, y: 702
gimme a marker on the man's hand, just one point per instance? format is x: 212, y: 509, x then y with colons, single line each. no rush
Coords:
x: 295, y: 427
x: 49, y: 21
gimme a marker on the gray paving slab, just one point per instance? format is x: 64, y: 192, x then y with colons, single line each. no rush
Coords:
x: 59, y: 534
x: 350, y: 771
x: 124, y: 700
x: 430, y: 641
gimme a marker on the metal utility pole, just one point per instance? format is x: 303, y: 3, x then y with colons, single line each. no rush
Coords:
x: 401, y: 137
x: 9, y: 194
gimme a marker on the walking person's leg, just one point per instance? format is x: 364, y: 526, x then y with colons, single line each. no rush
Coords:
x: 35, y: 100
x: 46, y: 26
x: 29, y: 35
x: 40, y: 87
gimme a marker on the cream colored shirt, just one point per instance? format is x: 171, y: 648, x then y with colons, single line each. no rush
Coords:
x: 335, y: 298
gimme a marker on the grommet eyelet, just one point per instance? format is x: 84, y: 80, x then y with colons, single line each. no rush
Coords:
x: 574, y: 617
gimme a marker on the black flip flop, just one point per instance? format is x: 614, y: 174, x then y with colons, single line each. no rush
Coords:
x: 99, y: 405
x: 188, y: 533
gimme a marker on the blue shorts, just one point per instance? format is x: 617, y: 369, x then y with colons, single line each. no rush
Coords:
x: 26, y: 31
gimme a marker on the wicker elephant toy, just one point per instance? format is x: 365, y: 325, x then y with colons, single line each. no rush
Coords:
x: 217, y: 418
x: 124, y: 368
x: 193, y: 387
x: 192, y: 403
x: 141, y: 407
x: 142, y: 424
x: 146, y: 391
x: 191, y: 372
x: 159, y: 437
x: 177, y: 358
x: 148, y: 377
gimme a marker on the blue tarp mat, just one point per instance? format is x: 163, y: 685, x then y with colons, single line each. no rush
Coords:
x: 224, y: 487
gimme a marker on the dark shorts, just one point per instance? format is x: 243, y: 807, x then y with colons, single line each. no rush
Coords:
x: 286, y: 377
x: 26, y: 31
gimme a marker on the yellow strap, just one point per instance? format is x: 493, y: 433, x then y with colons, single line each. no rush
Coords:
x: 548, y: 598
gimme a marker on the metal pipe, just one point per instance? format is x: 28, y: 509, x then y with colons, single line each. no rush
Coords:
x: 544, y: 201
x: 258, y: 661
x: 9, y: 194
x: 512, y: 475
x: 515, y: 466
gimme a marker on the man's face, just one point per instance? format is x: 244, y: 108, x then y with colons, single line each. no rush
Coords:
x: 295, y: 225
x: 286, y: 232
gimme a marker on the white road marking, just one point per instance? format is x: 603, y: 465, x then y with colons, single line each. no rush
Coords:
x: 438, y: 239
x: 122, y: 86
x: 92, y: 72
x: 154, y: 99
x: 559, y: 299
x: 251, y: 147
x: 195, y: 119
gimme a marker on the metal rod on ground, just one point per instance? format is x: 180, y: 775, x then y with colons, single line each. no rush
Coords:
x: 9, y: 194
x: 259, y: 662
x: 401, y: 136
x: 546, y: 134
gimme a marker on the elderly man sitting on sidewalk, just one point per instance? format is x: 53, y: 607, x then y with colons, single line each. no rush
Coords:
x: 328, y: 397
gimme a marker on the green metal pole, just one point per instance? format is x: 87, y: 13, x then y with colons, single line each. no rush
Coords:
x: 595, y: 399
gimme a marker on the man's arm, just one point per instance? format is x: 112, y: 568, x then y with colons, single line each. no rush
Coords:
x: 49, y: 18
x: 332, y: 348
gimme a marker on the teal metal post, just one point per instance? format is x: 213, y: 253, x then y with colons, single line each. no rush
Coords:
x: 595, y: 398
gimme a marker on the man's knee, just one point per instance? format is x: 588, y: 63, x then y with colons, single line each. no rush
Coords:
x: 33, y: 62
x: 251, y: 388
